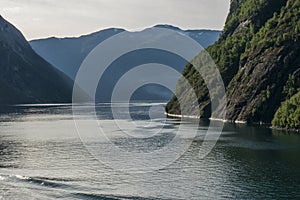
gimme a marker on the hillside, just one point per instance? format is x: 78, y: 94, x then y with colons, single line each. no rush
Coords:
x: 26, y: 77
x: 257, y: 54
x: 67, y: 54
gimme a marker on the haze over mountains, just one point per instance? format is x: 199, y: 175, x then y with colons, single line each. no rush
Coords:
x: 28, y: 78
x: 25, y: 76
x: 67, y: 54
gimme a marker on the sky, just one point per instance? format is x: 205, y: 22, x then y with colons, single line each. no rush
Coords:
x: 64, y: 18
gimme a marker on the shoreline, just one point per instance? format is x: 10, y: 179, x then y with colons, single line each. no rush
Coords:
x: 234, y: 122
x: 182, y: 116
x: 284, y: 129
x: 211, y: 118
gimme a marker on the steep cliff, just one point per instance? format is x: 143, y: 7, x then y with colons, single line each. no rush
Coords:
x: 256, y: 54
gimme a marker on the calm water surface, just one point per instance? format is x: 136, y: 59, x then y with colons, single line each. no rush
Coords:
x: 42, y: 157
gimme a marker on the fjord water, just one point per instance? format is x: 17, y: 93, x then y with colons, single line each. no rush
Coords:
x: 42, y: 157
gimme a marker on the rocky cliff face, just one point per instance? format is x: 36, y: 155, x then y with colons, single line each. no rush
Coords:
x: 26, y: 77
x: 258, y: 51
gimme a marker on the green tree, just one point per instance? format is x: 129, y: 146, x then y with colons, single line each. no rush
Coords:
x: 290, y: 87
x: 288, y: 115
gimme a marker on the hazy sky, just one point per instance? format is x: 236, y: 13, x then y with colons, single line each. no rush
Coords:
x: 44, y: 18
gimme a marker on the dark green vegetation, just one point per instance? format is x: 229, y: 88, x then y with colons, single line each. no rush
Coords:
x: 288, y: 115
x: 26, y: 77
x: 258, y: 55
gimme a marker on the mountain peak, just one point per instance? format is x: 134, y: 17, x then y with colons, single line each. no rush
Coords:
x: 12, y: 36
x: 2, y: 20
x: 168, y: 26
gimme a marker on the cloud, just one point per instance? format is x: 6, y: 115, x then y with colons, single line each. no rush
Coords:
x: 12, y: 10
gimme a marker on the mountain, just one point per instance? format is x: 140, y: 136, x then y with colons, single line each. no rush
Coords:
x: 26, y: 77
x: 203, y: 37
x: 67, y: 54
x: 258, y: 55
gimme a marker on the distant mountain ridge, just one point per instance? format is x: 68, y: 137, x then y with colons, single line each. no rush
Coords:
x: 205, y: 37
x: 26, y: 77
x: 67, y: 54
